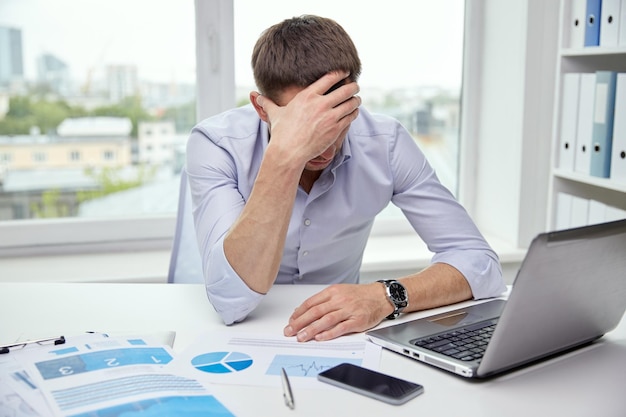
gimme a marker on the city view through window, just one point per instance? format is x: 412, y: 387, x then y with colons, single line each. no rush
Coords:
x: 97, y: 98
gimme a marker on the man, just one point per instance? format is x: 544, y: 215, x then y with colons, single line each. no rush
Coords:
x: 285, y: 191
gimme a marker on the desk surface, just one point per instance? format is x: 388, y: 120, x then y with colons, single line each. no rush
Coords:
x: 587, y: 381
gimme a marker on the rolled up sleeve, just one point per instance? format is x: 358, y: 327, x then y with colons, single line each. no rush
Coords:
x: 481, y: 269
x: 230, y: 296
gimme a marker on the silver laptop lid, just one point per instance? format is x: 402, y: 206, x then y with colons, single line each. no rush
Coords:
x: 570, y: 289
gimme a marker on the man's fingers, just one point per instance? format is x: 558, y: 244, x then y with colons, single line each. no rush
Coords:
x: 308, y: 312
x: 348, y: 108
x: 326, y: 82
x: 322, y: 324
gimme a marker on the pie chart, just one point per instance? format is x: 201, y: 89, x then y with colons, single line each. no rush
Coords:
x: 221, y: 362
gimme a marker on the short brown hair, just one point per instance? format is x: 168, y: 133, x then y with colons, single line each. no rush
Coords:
x: 299, y: 51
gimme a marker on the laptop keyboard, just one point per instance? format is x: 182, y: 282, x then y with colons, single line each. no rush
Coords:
x: 466, y: 344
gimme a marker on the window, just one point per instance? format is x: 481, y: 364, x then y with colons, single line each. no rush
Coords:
x: 40, y: 157
x: 108, y: 155
x: 411, y: 52
x: 107, y: 74
x: 79, y: 87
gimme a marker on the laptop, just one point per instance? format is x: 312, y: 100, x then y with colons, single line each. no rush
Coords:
x: 569, y: 291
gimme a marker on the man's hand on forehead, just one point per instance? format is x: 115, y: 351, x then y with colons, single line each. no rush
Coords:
x: 336, y: 86
x: 331, y: 81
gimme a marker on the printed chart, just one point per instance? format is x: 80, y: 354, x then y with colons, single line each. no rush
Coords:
x: 257, y: 358
x: 308, y: 366
x: 221, y: 362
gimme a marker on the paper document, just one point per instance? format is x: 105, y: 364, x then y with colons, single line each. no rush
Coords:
x: 19, y: 395
x: 115, y: 377
x: 257, y: 359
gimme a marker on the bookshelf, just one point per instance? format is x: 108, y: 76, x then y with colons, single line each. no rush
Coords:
x: 569, y: 182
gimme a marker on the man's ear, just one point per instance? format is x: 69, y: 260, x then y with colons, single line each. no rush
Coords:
x: 262, y: 113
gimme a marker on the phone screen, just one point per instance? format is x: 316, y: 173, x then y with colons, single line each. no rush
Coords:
x: 371, y: 383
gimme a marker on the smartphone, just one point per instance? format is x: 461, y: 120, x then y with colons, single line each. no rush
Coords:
x: 370, y: 383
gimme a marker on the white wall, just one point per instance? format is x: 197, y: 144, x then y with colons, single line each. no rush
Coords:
x: 510, y: 106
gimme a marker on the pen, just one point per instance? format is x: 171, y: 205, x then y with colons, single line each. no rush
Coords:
x: 287, y: 394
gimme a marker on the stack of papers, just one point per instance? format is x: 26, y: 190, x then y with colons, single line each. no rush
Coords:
x: 95, y: 375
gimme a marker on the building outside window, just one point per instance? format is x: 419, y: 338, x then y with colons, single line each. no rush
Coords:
x: 39, y: 157
x: 79, y: 87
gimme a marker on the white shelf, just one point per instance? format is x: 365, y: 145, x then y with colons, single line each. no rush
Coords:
x: 592, y: 51
x: 581, y: 60
x: 605, y: 183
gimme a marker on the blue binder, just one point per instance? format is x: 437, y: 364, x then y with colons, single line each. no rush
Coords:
x: 592, y: 23
x: 603, y: 117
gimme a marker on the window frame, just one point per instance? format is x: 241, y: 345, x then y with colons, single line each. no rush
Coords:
x: 215, y: 73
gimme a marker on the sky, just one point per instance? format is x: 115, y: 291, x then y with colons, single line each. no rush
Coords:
x: 402, y: 43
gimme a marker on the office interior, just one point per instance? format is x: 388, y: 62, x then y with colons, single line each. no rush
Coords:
x: 505, y: 159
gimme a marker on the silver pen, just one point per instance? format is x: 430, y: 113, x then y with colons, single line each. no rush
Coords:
x: 287, y: 394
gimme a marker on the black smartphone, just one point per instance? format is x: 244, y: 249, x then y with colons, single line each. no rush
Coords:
x: 373, y: 384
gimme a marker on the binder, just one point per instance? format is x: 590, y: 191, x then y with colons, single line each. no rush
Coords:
x: 576, y: 23
x: 609, y: 26
x: 580, y: 212
x: 584, y: 129
x: 597, y: 212
x: 563, y: 211
x: 604, y: 110
x: 618, y: 150
x: 614, y: 213
x: 592, y: 22
x: 569, y: 117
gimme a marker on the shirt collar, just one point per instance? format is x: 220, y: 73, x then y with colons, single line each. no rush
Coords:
x: 343, y: 155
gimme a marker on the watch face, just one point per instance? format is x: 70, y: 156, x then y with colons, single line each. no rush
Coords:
x: 397, y: 292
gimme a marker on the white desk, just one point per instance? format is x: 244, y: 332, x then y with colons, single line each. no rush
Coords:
x: 589, y: 381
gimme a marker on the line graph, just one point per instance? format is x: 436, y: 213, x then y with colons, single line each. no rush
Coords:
x: 305, y: 366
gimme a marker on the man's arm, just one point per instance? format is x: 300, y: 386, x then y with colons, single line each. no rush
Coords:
x: 463, y: 266
x: 346, y: 308
x: 299, y: 131
x: 254, y: 244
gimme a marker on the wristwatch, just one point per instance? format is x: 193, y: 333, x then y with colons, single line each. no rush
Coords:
x: 397, y: 295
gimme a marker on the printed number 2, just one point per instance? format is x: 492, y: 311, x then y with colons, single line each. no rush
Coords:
x: 66, y: 370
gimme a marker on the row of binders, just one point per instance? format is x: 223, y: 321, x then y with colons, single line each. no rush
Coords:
x: 592, y: 131
x: 574, y: 211
x: 597, y: 23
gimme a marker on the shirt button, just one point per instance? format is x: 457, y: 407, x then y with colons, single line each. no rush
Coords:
x: 305, y: 253
x: 307, y: 222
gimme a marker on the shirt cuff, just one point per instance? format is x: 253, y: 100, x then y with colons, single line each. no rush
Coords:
x: 481, y: 270
x: 230, y: 296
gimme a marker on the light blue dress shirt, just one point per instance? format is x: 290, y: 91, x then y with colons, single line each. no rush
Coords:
x: 379, y: 163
